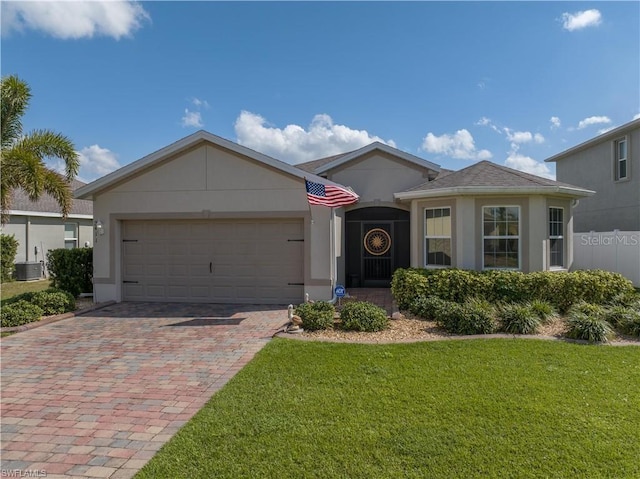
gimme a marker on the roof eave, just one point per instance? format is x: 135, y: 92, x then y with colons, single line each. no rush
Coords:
x: 87, y: 192
x: 502, y: 191
x: 376, y: 145
x: 607, y: 136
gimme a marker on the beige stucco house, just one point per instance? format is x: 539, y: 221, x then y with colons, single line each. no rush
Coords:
x: 39, y: 227
x: 208, y: 220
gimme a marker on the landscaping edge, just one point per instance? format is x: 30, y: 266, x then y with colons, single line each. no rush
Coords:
x: 55, y: 318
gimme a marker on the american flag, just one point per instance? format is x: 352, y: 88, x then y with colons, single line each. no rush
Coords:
x: 327, y: 195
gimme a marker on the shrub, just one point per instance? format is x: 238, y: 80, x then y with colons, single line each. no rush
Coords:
x: 472, y: 317
x: 625, y: 319
x: 542, y: 309
x: 53, y: 301
x: 19, y: 313
x: 519, y: 319
x: 587, y: 321
x: 318, y: 315
x: 363, y: 316
x: 71, y: 270
x: 408, y: 284
x: 8, y: 251
x: 427, y: 307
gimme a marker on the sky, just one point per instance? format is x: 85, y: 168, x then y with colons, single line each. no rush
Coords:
x: 451, y: 82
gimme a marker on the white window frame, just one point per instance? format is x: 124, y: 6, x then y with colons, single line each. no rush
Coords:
x: 617, y: 160
x: 557, y: 237
x: 426, y: 238
x: 507, y: 237
x: 76, y: 239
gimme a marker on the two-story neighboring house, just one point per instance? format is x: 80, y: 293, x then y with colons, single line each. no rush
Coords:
x: 606, y: 225
x: 608, y: 164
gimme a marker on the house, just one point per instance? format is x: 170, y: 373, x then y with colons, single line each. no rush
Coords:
x: 205, y: 219
x: 38, y: 225
x: 608, y: 164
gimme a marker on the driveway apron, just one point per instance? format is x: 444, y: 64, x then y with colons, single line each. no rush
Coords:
x: 97, y: 395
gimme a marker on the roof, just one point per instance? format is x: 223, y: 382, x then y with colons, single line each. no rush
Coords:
x: 325, y: 164
x: 21, y: 204
x: 486, y: 177
x: 607, y: 136
x: 127, y: 171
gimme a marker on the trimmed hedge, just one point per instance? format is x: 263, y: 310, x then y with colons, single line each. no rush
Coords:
x: 363, y: 316
x: 8, y: 251
x: 560, y: 289
x: 315, y: 316
x: 71, y: 270
x: 19, y: 313
x: 53, y: 301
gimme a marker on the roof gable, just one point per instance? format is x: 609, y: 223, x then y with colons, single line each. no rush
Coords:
x: 150, y: 161
x: 323, y: 165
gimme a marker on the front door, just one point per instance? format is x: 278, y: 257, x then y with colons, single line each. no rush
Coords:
x: 377, y: 243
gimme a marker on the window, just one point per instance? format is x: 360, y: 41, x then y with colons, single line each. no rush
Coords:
x: 70, y: 235
x: 501, y: 237
x: 437, y: 227
x: 620, y: 155
x: 556, y: 237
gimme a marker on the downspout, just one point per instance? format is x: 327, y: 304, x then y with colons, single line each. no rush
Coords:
x: 26, y: 237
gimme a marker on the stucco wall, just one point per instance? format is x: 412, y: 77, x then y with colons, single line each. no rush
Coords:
x: 616, y: 204
x: 377, y: 176
x: 46, y: 233
x: 210, y: 182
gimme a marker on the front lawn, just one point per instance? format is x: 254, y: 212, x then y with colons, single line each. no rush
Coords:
x: 14, y: 288
x: 480, y: 408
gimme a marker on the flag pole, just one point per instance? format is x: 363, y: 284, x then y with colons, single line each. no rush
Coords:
x: 309, y: 204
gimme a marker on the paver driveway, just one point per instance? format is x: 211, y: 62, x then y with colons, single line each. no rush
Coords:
x: 97, y: 395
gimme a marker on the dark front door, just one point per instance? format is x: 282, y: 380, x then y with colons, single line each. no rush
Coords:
x: 377, y: 242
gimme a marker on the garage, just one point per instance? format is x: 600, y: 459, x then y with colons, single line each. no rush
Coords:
x: 254, y: 261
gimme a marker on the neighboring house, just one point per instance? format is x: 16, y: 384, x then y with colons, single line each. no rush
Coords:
x: 205, y: 219
x: 39, y: 224
x: 609, y: 164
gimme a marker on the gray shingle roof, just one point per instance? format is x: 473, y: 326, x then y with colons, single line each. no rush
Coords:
x: 312, y: 166
x: 46, y: 204
x: 488, y: 174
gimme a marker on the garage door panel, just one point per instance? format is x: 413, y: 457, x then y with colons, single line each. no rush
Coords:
x: 246, y: 261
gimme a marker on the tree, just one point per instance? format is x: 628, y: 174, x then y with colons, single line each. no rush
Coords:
x: 22, y: 157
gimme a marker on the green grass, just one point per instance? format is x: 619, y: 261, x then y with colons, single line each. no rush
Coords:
x: 472, y: 409
x: 14, y: 288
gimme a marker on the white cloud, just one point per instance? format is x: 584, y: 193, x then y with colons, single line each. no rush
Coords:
x: 460, y: 146
x: 523, y: 136
x: 593, y: 120
x: 67, y: 20
x: 580, y: 20
x: 192, y: 119
x: 294, y: 144
x: 484, y: 121
x: 527, y: 164
x: 555, y: 122
x: 200, y: 103
x: 95, y: 162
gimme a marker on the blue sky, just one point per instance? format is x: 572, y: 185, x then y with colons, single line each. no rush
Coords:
x: 452, y: 82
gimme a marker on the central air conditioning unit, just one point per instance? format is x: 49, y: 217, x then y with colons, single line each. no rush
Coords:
x: 28, y: 270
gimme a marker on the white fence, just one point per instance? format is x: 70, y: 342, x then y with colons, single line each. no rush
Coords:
x: 617, y: 251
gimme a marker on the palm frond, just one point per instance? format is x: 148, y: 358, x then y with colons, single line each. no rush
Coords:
x: 49, y: 144
x: 59, y: 188
x: 15, y: 96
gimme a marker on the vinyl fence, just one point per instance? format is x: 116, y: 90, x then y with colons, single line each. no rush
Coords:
x: 617, y: 251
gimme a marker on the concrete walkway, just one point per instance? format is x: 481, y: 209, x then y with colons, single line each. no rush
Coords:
x: 99, y: 394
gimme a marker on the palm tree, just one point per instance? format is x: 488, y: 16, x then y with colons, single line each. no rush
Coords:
x: 22, y: 157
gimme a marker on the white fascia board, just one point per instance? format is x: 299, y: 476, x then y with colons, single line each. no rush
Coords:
x: 606, y: 136
x: 376, y: 145
x: 484, y: 190
x: 87, y: 191
x: 47, y: 214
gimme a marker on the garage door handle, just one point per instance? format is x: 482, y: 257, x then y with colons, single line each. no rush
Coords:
x: 210, y: 267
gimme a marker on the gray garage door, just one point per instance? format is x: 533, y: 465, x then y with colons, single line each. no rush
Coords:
x: 222, y: 261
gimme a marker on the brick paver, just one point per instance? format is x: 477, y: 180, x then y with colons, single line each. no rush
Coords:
x: 99, y: 394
